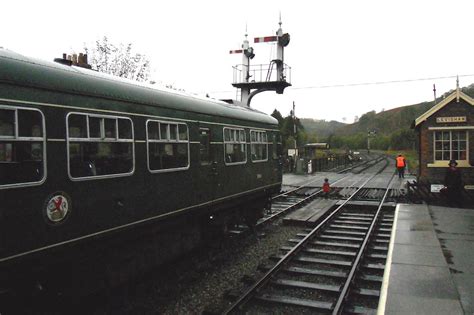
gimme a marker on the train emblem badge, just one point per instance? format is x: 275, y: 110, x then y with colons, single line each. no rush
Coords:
x: 57, y: 207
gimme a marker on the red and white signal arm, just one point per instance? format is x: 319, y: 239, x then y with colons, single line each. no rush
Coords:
x: 265, y: 39
x: 283, y: 40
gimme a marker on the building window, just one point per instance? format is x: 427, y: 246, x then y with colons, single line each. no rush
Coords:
x: 168, y: 146
x: 258, y: 146
x: 99, y: 146
x: 451, y: 145
x: 22, y: 146
x: 235, y: 146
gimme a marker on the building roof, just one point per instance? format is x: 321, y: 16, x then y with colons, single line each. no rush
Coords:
x: 457, y: 94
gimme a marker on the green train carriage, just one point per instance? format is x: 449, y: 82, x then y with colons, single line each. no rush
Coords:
x: 84, y: 155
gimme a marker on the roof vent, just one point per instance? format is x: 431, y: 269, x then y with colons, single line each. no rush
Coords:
x: 74, y: 60
x: 63, y: 61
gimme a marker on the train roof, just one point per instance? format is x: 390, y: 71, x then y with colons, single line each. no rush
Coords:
x: 25, y: 71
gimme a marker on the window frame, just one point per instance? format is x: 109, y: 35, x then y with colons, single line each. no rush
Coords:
x: 104, y: 139
x: 466, y: 132
x: 225, y: 142
x: 17, y: 138
x: 177, y: 140
x: 258, y: 143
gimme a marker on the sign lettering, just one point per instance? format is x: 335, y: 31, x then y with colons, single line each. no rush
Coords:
x: 456, y: 119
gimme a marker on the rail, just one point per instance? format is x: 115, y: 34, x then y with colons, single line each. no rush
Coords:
x: 345, y: 291
x: 250, y: 292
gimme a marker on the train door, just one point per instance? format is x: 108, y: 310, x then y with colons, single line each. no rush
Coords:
x: 277, y: 156
x: 208, y: 169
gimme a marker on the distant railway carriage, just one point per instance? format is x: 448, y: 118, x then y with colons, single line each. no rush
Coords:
x: 84, y: 155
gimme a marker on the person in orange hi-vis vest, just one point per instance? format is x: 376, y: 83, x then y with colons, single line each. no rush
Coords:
x: 401, y: 164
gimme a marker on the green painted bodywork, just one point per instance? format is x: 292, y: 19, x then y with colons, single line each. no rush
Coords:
x: 19, y: 70
x: 103, y: 205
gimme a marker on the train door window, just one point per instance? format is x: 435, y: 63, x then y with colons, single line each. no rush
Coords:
x: 235, y: 146
x: 204, y: 146
x: 167, y: 145
x: 99, y: 146
x: 22, y: 147
x: 258, y: 146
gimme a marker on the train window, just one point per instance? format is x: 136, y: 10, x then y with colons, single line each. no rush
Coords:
x: 168, y: 146
x: 22, y: 147
x: 226, y: 134
x: 110, y: 128
x: 124, y: 129
x: 99, y: 146
x: 78, y: 126
x: 258, y: 146
x: 164, y: 131
x: 95, y: 127
x: 29, y: 123
x: 7, y: 123
x: 153, y: 130
x: 235, y: 147
x: 183, y: 132
x: 173, y: 132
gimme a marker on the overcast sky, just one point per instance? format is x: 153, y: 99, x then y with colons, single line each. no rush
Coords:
x: 332, y: 43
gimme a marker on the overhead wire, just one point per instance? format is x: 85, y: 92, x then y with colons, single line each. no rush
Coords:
x: 369, y: 83
x: 381, y: 82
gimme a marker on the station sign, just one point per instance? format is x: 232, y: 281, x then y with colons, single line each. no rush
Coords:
x: 292, y: 152
x: 436, y: 188
x: 456, y: 119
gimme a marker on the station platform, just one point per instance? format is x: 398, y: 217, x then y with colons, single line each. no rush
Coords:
x: 430, y: 265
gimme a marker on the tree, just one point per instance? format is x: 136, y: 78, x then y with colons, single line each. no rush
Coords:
x: 118, y: 60
x: 277, y: 115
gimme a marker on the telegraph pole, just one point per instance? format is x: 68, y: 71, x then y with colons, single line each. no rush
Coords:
x: 370, y: 133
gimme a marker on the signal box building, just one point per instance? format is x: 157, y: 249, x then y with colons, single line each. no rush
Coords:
x: 446, y: 132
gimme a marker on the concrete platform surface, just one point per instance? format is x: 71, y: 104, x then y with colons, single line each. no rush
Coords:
x: 430, y: 266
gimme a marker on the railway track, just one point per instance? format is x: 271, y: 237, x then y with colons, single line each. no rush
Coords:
x: 298, y: 196
x: 336, y: 267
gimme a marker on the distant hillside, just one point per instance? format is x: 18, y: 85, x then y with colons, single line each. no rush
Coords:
x: 393, y: 127
x: 388, y: 121
x: 321, y: 128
